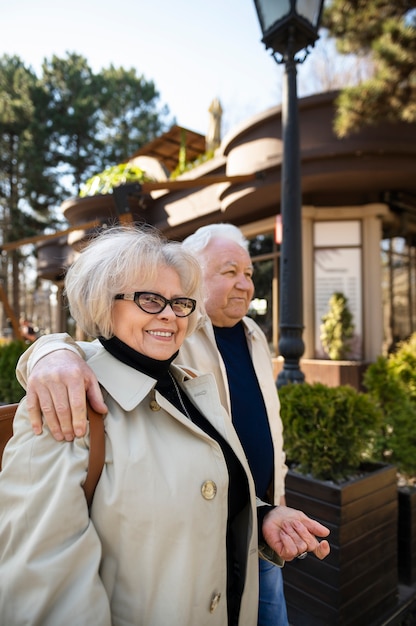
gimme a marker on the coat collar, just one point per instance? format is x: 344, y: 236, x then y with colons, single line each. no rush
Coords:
x: 125, y: 384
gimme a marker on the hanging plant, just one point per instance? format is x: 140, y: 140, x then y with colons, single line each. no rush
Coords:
x: 105, y: 181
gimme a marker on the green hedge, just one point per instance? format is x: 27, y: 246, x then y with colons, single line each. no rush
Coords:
x: 391, y: 382
x: 328, y: 431
x: 10, y: 389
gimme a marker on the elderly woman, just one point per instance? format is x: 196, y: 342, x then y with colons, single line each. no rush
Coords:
x: 171, y: 537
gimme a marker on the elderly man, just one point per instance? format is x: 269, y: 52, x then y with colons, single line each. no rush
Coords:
x: 227, y: 343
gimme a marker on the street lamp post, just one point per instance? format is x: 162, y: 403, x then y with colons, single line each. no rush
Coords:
x: 289, y: 26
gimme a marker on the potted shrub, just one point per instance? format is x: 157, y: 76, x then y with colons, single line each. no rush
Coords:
x: 337, y: 328
x: 391, y: 382
x: 338, y: 359
x: 329, y: 437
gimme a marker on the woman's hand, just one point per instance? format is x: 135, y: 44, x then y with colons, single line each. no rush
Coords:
x: 291, y: 533
x: 58, y: 387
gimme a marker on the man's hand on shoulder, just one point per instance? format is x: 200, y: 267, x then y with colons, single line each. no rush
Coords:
x: 57, y: 389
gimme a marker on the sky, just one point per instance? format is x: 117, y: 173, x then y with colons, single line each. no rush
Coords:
x: 193, y: 51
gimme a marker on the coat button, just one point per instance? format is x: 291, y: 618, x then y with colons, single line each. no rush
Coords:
x: 154, y: 406
x: 209, y: 490
x: 214, y: 602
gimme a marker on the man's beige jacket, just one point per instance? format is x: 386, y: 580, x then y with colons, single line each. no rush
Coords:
x: 200, y: 352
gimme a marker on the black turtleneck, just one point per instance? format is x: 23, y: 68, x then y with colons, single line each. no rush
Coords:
x: 122, y: 352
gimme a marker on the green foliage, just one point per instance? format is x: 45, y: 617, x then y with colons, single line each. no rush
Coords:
x: 112, y: 177
x: 337, y: 328
x: 187, y: 166
x: 391, y: 382
x: 59, y: 128
x: 130, y: 113
x: 16, y: 108
x: 385, y: 31
x: 18, y: 121
x: 97, y: 119
x: 71, y: 122
x: 328, y: 431
x: 10, y: 389
x: 403, y: 365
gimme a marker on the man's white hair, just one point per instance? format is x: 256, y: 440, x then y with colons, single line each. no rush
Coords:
x: 198, y: 241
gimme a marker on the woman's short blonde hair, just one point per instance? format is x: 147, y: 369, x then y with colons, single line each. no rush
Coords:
x: 120, y: 260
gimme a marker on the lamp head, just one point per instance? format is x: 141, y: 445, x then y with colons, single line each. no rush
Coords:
x: 281, y: 20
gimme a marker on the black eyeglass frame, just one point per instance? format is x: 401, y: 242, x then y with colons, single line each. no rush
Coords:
x: 135, y: 297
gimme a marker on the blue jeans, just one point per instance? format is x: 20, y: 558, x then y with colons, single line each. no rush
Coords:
x: 272, y: 604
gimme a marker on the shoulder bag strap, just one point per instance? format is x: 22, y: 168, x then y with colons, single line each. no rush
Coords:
x: 97, y: 453
x: 97, y: 444
x: 7, y: 412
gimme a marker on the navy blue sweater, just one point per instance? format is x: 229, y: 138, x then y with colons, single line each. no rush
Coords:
x: 247, y: 405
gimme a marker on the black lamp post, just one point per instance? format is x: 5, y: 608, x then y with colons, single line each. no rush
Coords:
x: 288, y: 27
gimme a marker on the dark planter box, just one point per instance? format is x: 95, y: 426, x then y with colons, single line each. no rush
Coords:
x: 330, y: 373
x: 358, y: 582
x: 407, y: 535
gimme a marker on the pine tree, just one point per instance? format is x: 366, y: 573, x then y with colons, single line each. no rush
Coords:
x: 386, y: 31
x: 17, y: 114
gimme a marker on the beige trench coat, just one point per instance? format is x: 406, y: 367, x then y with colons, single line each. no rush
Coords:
x: 152, y: 552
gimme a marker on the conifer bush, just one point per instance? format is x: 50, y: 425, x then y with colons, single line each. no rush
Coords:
x: 337, y: 328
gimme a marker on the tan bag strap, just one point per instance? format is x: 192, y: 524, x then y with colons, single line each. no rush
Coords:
x: 97, y: 453
x: 97, y: 444
x: 7, y: 412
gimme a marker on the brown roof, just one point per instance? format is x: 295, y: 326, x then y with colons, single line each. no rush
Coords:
x: 166, y: 147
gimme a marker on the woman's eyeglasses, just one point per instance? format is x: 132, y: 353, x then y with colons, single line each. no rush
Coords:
x: 154, y: 303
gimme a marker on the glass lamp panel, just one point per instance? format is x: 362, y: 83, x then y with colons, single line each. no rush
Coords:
x: 271, y: 12
x: 309, y: 10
